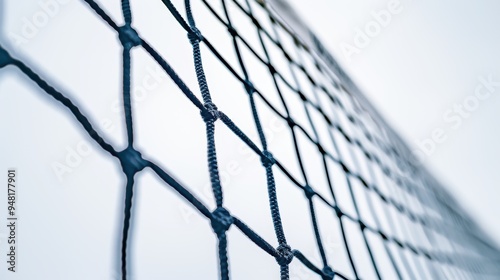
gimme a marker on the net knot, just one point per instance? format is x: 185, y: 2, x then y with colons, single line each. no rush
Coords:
x: 302, y: 96
x: 285, y: 255
x: 249, y: 87
x: 221, y: 220
x: 309, y: 191
x: 267, y: 158
x: 328, y: 273
x: 271, y: 68
x: 128, y: 36
x: 232, y: 31
x: 5, y: 58
x: 195, y: 35
x: 321, y: 149
x: 362, y: 226
x: 383, y: 236
x: 363, y: 182
x: 338, y: 211
x: 256, y: 22
x: 131, y: 161
x: 345, y: 168
x: 211, y: 114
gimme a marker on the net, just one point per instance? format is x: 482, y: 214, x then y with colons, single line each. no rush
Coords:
x: 412, y: 221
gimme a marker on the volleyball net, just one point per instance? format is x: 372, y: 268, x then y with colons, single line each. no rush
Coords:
x: 370, y: 177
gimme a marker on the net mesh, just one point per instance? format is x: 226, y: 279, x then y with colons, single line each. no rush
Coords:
x: 422, y: 231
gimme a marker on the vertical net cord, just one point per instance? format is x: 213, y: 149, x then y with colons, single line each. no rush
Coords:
x: 128, y: 39
x: 309, y: 192
x: 212, y: 115
x: 128, y: 119
x: 127, y: 45
x: 284, y: 249
x: 220, y: 228
x: 126, y: 224
x: 272, y: 71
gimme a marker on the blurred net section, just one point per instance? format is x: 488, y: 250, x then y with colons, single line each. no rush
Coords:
x: 401, y: 222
